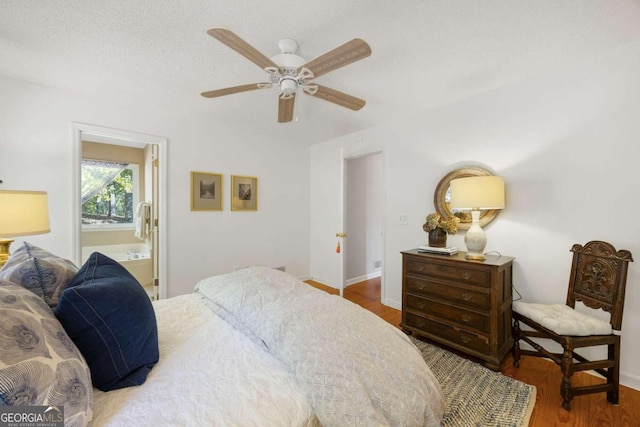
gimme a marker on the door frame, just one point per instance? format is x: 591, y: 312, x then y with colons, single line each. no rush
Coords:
x: 347, y: 155
x: 101, y: 134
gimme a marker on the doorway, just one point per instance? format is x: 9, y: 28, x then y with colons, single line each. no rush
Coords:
x: 152, y: 158
x: 364, y: 219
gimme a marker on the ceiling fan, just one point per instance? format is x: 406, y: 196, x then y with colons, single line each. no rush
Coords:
x: 289, y: 71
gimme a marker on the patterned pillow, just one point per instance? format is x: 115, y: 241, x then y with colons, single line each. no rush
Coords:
x: 43, y: 273
x: 39, y: 364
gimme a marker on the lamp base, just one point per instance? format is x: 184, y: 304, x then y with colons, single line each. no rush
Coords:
x: 4, y: 250
x: 475, y: 239
x: 474, y: 256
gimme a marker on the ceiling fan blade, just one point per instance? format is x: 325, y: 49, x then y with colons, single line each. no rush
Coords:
x: 285, y: 109
x: 235, y: 89
x: 339, y: 98
x: 349, y: 52
x: 227, y: 37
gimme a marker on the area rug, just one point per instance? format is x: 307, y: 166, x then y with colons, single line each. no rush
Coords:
x: 475, y: 395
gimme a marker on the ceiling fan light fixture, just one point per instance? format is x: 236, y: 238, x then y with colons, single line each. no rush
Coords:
x: 288, y: 87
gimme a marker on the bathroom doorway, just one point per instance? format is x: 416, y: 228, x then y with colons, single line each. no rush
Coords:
x: 125, y: 224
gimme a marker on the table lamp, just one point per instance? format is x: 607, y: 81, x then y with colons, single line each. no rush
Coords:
x: 475, y: 194
x: 22, y: 213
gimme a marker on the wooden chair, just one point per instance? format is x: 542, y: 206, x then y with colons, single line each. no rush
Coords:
x: 598, y: 279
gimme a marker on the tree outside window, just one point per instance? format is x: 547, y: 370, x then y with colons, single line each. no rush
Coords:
x: 109, y: 193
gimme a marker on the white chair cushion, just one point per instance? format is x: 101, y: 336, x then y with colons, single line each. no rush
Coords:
x: 562, y: 319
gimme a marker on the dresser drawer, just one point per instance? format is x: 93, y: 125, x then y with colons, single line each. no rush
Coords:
x: 464, y: 318
x: 465, y: 304
x: 461, y: 337
x: 461, y: 274
x: 475, y: 299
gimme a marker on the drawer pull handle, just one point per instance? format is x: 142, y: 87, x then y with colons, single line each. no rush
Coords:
x: 422, y: 286
x: 466, y: 296
x: 465, y: 339
x: 421, y: 305
x: 466, y: 317
x: 466, y: 275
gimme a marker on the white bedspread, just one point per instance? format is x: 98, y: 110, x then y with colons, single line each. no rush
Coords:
x: 209, y: 374
x: 355, y: 368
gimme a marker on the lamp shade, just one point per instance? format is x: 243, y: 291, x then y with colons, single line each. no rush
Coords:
x: 477, y: 192
x: 23, y: 213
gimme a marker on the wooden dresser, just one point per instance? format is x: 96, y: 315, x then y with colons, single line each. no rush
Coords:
x: 465, y: 305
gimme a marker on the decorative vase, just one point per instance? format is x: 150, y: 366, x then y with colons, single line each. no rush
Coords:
x: 438, y: 238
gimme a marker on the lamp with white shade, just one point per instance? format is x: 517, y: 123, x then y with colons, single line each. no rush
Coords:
x: 476, y: 194
x: 22, y: 213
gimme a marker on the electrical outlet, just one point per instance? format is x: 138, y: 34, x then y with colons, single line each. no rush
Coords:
x: 404, y: 219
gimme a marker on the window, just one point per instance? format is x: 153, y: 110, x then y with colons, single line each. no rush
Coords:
x: 109, y: 194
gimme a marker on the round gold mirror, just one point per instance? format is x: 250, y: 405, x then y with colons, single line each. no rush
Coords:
x: 442, y: 195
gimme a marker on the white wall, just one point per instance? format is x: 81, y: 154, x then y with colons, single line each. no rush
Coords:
x: 36, y: 154
x: 364, y: 212
x: 567, y: 144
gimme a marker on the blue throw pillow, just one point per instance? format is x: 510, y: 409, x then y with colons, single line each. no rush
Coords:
x: 109, y: 317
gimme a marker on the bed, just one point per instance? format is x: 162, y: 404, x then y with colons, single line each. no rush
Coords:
x: 207, y: 371
x: 256, y: 347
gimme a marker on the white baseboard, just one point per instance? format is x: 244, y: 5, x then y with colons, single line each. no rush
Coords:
x: 629, y: 380
x: 362, y: 278
x: 392, y: 303
x: 325, y: 282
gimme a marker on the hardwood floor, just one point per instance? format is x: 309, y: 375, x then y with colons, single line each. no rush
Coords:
x: 588, y: 410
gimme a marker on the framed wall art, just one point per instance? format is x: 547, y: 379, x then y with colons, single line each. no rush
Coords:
x: 244, y: 193
x: 206, y: 191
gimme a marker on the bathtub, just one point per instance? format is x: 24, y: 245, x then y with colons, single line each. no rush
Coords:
x: 135, y: 257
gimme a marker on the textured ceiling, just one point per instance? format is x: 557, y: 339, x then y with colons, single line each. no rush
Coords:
x: 425, y: 52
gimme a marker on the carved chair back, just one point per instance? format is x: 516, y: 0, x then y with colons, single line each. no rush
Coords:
x: 598, y: 278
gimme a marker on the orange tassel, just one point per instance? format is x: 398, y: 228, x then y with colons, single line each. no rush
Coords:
x: 338, y: 247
